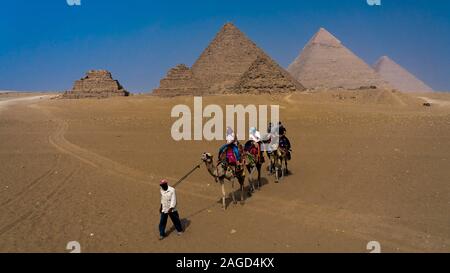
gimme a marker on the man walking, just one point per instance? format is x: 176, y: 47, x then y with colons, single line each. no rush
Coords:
x: 168, y: 209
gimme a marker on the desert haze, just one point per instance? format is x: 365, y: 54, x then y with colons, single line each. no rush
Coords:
x: 367, y: 166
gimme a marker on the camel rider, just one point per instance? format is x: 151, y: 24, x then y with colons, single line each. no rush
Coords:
x: 269, y: 128
x: 270, y: 137
x: 231, y: 149
x: 281, y: 129
x: 255, y: 137
x: 284, y: 141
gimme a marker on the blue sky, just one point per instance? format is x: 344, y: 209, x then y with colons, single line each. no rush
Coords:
x: 47, y: 44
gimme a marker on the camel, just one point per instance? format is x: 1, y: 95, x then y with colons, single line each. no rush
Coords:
x: 279, y: 156
x: 253, y: 163
x: 222, y: 173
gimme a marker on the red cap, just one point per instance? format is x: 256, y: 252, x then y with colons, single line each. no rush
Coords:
x: 163, y: 182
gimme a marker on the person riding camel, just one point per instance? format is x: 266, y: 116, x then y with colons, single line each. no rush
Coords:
x: 255, y: 140
x: 284, y: 141
x: 269, y: 128
x: 230, y: 151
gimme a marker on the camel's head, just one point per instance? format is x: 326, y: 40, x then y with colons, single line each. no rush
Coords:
x: 207, y: 157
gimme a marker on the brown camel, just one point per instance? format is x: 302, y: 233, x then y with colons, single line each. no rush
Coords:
x: 253, y: 161
x: 279, y: 156
x: 221, y: 173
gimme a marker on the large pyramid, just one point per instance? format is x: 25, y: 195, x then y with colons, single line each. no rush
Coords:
x: 398, y: 77
x: 223, y: 64
x: 96, y: 84
x: 325, y: 63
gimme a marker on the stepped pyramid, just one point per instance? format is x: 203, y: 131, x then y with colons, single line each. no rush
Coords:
x: 326, y: 63
x: 178, y: 82
x: 398, y: 77
x: 221, y: 67
x: 96, y: 84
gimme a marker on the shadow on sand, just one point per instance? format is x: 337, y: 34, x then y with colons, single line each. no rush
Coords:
x: 185, y: 223
x: 247, y: 192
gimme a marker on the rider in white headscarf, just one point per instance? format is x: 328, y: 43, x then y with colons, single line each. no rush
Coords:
x: 255, y: 135
x: 231, y: 137
x: 231, y: 142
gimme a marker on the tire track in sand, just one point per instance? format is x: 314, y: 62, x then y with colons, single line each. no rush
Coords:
x: 28, y: 187
x: 57, y: 140
x: 35, y: 197
x: 42, y: 203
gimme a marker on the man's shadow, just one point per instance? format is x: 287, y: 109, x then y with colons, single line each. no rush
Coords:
x: 185, y: 223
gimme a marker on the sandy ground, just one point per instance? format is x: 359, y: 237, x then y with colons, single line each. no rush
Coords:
x: 366, y: 167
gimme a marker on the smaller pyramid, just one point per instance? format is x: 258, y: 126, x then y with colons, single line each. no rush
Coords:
x: 325, y: 63
x: 266, y: 76
x: 96, y: 84
x: 398, y: 77
x: 179, y: 81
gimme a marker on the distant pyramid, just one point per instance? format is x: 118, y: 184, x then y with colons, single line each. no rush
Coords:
x: 398, y: 77
x: 96, y: 84
x: 222, y: 65
x: 326, y: 63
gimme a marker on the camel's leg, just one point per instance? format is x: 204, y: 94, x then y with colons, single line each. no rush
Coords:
x: 275, y: 169
x: 250, y: 179
x: 259, y: 176
x: 270, y: 165
x: 277, y: 175
x: 242, y: 193
x: 278, y: 168
x: 233, y: 194
x: 273, y: 163
x: 286, y: 163
x: 223, y: 195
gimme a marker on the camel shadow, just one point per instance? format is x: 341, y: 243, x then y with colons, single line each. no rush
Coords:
x: 289, y: 173
x: 264, y: 182
x: 247, y: 192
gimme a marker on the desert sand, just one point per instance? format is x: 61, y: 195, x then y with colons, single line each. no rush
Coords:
x: 367, y: 166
